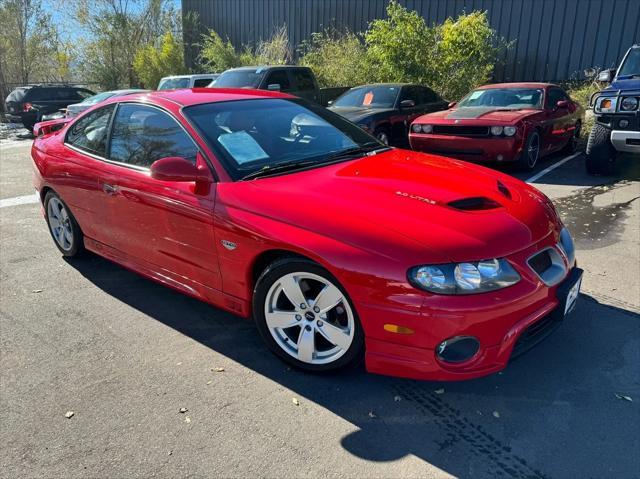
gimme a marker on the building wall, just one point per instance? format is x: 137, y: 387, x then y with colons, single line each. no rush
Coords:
x: 555, y: 39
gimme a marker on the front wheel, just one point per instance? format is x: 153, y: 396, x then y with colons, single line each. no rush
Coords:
x: 572, y: 144
x: 600, y: 153
x: 306, y: 317
x: 62, y: 225
x: 382, y: 135
x: 531, y: 152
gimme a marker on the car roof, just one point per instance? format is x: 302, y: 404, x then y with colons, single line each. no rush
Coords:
x: 196, y: 96
x: 195, y: 75
x: 516, y: 85
x: 265, y: 67
x: 399, y: 85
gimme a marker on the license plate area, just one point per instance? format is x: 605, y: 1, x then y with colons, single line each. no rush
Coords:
x: 568, y: 292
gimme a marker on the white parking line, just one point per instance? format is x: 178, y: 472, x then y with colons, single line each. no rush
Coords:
x: 540, y: 174
x: 20, y: 200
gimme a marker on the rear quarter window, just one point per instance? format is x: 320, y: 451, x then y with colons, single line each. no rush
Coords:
x: 17, y: 95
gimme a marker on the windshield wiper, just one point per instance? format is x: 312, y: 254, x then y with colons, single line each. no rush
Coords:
x: 278, y: 168
x: 357, y: 151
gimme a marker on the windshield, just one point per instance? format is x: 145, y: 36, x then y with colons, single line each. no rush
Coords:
x: 369, y: 97
x: 511, y: 98
x: 92, y: 100
x: 249, y: 135
x: 631, y: 65
x: 238, y: 79
x: 173, y: 83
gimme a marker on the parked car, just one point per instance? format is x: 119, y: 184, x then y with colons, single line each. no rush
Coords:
x: 338, y: 245
x: 76, y: 108
x: 387, y: 109
x: 298, y: 81
x: 187, y: 81
x: 617, y: 126
x: 28, y: 104
x: 504, y: 122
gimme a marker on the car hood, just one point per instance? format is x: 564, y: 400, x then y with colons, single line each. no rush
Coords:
x: 356, y: 114
x: 399, y: 204
x: 625, y: 85
x: 76, y: 108
x: 488, y: 115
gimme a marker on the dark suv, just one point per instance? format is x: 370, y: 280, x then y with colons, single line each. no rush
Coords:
x: 27, y: 104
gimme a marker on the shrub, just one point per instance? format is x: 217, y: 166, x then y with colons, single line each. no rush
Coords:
x: 581, y: 93
x: 216, y: 55
x: 337, y: 58
x: 151, y: 63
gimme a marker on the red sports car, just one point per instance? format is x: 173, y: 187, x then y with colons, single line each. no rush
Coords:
x: 340, y: 247
x: 519, y: 122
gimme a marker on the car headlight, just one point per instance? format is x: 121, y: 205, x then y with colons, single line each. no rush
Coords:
x: 567, y: 246
x: 629, y: 104
x: 464, y: 278
x: 418, y: 128
x: 496, y: 130
x: 606, y: 105
x: 510, y: 130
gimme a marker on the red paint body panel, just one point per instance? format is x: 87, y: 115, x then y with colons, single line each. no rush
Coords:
x: 556, y: 127
x: 367, y: 221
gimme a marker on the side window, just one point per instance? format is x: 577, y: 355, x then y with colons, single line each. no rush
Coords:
x: 554, y: 95
x: 90, y: 132
x: 412, y: 93
x: 202, y: 82
x: 83, y: 94
x: 430, y: 96
x: 281, y: 77
x: 303, y: 79
x: 142, y: 135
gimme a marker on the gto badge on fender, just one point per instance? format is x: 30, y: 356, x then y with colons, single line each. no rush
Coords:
x: 228, y: 244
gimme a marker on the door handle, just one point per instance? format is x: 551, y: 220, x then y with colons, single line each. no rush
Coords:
x: 109, y: 189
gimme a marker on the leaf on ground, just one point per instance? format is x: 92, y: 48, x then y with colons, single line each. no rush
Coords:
x: 372, y: 414
x: 496, y: 414
x: 439, y: 391
x: 183, y: 410
x: 623, y: 397
x: 187, y: 419
x: 295, y: 401
x: 69, y: 414
x: 397, y: 398
x: 37, y: 291
x: 209, y: 382
x: 218, y: 370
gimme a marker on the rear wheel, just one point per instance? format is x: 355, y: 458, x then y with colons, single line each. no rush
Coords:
x: 531, y: 152
x: 600, y: 153
x: 62, y: 225
x: 306, y: 317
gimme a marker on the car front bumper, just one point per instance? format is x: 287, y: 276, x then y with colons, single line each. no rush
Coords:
x: 480, y: 149
x: 626, y: 141
x: 505, y: 322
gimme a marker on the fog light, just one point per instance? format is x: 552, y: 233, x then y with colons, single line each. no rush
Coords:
x: 458, y: 349
x: 623, y: 123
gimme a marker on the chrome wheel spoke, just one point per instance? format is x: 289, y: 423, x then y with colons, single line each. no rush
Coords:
x: 282, y: 319
x: 291, y: 288
x: 306, y: 344
x: 328, y: 298
x: 335, y: 335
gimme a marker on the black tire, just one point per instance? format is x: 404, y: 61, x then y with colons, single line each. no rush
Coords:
x: 382, y: 135
x: 572, y: 144
x: 600, y: 154
x: 274, y: 272
x: 531, y: 153
x: 76, y: 244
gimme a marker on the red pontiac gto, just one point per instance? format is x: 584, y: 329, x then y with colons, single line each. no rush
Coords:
x: 519, y: 122
x: 338, y: 246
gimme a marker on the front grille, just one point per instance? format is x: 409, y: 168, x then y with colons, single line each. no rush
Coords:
x: 534, y: 334
x: 633, y: 141
x: 446, y: 152
x: 541, y: 262
x: 461, y: 130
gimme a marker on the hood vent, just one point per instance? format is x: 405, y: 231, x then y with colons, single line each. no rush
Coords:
x: 477, y: 203
x: 504, y: 190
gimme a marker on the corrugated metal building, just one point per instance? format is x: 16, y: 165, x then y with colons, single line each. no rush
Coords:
x: 555, y: 39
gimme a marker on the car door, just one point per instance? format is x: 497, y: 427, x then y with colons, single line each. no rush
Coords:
x: 277, y: 76
x: 164, y: 226
x: 558, y: 124
x: 79, y: 166
x: 432, y: 101
x: 406, y: 114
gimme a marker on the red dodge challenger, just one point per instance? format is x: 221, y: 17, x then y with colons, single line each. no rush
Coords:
x: 339, y: 247
x: 518, y: 122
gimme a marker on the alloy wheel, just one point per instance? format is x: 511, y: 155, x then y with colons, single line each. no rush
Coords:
x: 60, y: 223
x: 533, y: 150
x: 383, y: 137
x: 309, y: 317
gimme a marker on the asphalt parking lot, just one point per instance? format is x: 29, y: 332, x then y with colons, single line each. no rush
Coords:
x: 125, y: 355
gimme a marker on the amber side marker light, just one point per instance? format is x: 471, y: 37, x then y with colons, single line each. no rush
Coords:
x: 605, y: 104
x: 394, y: 328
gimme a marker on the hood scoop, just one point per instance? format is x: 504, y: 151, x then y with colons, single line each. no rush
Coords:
x: 476, y: 203
x: 504, y: 190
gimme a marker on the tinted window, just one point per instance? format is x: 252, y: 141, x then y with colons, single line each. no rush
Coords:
x: 249, y: 135
x: 513, y: 98
x: 239, y: 79
x: 142, y: 135
x: 90, y: 132
x: 429, y: 95
x: 412, y: 93
x: 631, y: 65
x: 303, y: 79
x: 554, y: 95
x: 41, y: 94
x: 202, y: 82
x: 369, y: 97
x: 280, y: 77
x: 173, y: 83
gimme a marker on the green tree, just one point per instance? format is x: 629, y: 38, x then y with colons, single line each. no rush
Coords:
x: 217, y: 55
x: 152, y: 62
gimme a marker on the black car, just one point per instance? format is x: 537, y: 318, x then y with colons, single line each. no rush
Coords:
x: 386, y: 110
x: 28, y: 104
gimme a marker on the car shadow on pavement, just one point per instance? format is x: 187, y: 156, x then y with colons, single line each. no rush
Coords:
x: 558, y: 411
